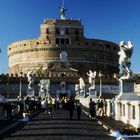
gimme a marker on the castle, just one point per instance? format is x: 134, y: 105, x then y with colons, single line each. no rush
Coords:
x: 63, y: 35
x: 61, y: 54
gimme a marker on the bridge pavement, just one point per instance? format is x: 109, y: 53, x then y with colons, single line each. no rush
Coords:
x: 58, y: 126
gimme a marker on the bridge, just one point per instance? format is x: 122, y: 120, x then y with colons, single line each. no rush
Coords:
x: 58, y: 126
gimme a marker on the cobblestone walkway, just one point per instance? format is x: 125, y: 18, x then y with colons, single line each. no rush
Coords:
x: 58, y: 126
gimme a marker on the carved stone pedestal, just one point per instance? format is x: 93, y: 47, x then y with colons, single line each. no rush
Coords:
x: 82, y: 93
x: 42, y: 94
x: 30, y: 92
x: 126, y: 88
x: 92, y: 92
x: 127, y: 103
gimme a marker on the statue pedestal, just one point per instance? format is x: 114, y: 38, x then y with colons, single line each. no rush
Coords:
x: 2, y: 99
x: 82, y: 93
x: 126, y: 88
x: 126, y: 100
x: 30, y: 92
x: 42, y: 94
x: 92, y: 92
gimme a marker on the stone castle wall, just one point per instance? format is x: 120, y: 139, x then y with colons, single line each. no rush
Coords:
x: 24, y: 55
x: 63, y: 35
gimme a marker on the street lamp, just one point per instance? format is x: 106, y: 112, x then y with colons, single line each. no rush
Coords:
x: 7, y: 85
x: 0, y: 52
x: 20, y: 85
x: 100, y: 76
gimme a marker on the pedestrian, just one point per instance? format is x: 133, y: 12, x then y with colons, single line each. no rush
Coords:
x: 8, y: 108
x: 71, y: 107
x: 78, y: 109
x: 50, y: 105
x: 54, y: 103
x: 104, y: 106
x: 92, y: 109
x: 58, y: 103
x: 43, y: 105
x: 101, y: 111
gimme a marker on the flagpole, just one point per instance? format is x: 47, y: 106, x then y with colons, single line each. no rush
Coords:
x: 62, y: 3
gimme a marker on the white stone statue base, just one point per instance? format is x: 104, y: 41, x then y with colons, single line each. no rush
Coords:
x: 92, y: 92
x: 30, y: 92
x: 2, y: 99
x: 82, y: 93
x: 126, y: 87
x: 127, y: 103
x: 42, y: 94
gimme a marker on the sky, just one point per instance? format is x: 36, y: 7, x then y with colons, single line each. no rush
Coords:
x: 112, y: 20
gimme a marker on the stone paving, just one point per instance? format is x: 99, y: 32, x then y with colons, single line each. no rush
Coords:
x: 5, y: 123
x: 58, y: 126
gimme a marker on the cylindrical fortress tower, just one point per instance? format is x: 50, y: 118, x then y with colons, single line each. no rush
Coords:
x: 67, y: 35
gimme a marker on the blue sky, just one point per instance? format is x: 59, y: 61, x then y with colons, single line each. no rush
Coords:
x: 112, y: 20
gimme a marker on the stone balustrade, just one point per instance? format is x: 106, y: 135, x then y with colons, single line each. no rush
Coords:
x: 128, y: 112
x: 122, y: 110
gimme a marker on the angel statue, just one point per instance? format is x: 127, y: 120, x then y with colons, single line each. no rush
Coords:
x: 31, y: 79
x: 62, y: 12
x: 63, y: 56
x: 91, y: 78
x: 125, y: 54
x: 81, y: 83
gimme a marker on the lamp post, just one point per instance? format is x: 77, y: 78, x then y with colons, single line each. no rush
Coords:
x: 7, y: 85
x: 100, y: 76
x: 0, y: 79
x: 20, y: 85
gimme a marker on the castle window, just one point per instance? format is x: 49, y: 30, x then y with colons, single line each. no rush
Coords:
x: 37, y: 43
x: 67, y: 31
x: 67, y: 41
x: 57, y: 31
x: 115, y: 48
x: 86, y: 43
x: 93, y: 44
x: 9, y: 48
x: 47, y: 31
x: 77, y: 31
x: 57, y: 41
x: 62, y: 40
x: 24, y: 44
x: 107, y: 46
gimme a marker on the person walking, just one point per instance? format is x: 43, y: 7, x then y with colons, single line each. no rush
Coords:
x: 78, y: 109
x: 71, y: 107
x: 101, y: 111
x: 105, y: 107
x: 49, y: 105
x: 43, y: 105
x: 92, y: 109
